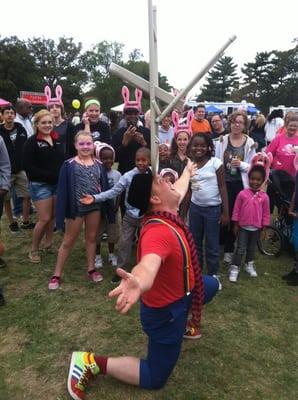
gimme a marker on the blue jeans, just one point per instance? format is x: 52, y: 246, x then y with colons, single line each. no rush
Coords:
x: 165, y: 328
x: 204, y: 223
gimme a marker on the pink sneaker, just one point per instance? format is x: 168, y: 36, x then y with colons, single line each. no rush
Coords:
x: 95, y: 276
x: 54, y: 283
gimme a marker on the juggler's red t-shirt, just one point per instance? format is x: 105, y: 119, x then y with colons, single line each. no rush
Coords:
x: 168, y: 285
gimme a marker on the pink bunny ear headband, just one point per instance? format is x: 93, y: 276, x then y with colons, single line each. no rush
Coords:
x: 99, y: 146
x: 132, y: 104
x: 264, y: 160
x: 54, y: 100
x: 182, y: 127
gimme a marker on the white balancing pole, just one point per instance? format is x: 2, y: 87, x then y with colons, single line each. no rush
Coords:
x: 153, y: 78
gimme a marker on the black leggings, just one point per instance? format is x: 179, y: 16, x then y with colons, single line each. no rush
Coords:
x: 227, y: 237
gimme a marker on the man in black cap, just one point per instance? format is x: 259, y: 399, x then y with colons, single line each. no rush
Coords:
x: 167, y: 280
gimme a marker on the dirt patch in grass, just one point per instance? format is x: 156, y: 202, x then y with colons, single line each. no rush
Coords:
x: 12, y: 341
x: 30, y: 385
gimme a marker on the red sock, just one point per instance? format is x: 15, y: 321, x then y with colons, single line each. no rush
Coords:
x: 102, y: 363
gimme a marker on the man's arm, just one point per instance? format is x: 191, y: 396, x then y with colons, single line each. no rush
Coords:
x: 134, y: 284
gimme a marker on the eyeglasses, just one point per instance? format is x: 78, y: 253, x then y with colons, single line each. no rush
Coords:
x: 237, y: 122
x: 88, y: 144
x: 215, y: 120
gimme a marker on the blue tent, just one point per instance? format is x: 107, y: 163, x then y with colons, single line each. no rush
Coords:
x: 252, y: 110
x: 213, y: 109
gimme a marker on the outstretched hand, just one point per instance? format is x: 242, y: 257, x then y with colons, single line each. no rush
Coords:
x: 191, y: 167
x: 127, y: 293
x: 87, y: 199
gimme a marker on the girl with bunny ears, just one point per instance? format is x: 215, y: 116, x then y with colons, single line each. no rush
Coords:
x: 178, y: 158
x: 63, y: 127
x: 251, y: 214
x: 182, y: 135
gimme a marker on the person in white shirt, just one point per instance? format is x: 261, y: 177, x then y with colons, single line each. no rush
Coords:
x: 166, y: 131
x: 23, y: 115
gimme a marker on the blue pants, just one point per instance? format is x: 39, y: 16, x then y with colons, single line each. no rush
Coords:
x: 204, y: 223
x: 165, y: 328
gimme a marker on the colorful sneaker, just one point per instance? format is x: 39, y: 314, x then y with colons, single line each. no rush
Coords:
x: 95, y: 276
x: 98, y: 261
x: 54, y: 283
x: 192, y: 333
x: 82, y: 368
x: 113, y: 259
x: 234, y: 272
x: 250, y: 269
x: 228, y: 258
x: 34, y: 257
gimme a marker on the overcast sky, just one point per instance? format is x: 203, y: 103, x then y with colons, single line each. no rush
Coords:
x: 189, y: 31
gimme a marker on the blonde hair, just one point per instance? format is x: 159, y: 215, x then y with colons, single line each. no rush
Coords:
x: 82, y: 133
x: 38, y: 116
x: 260, y: 120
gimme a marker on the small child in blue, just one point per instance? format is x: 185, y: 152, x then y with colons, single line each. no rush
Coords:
x: 292, y: 277
x: 106, y: 154
x: 132, y: 218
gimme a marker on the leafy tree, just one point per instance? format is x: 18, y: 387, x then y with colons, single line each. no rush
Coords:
x: 221, y: 80
x: 272, y: 79
x: 59, y: 63
x: 17, y: 68
x: 135, y: 55
x: 97, y: 61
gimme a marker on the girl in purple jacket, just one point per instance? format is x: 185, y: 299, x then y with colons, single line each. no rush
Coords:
x: 251, y: 214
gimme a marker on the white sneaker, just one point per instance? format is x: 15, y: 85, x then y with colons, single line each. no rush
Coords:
x: 234, y: 272
x: 219, y: 282
x: 250, y: 269
x: 113, y: 259
x: 228, y: 258
x: 98, y: 261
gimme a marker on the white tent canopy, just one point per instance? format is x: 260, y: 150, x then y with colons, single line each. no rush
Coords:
x: 118, y: 108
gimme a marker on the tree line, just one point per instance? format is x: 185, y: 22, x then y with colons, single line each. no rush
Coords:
x: 271, y: 79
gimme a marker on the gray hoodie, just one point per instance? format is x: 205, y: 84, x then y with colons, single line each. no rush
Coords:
x: 4, y: 166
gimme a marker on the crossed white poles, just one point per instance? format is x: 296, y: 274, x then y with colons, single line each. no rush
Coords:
x: 154, y: 90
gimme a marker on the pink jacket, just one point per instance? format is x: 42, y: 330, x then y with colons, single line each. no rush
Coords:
x: 252, y: 209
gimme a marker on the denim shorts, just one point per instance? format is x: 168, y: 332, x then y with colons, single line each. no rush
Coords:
x: 42, y: 191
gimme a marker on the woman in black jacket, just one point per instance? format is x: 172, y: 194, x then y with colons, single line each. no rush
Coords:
x: 42, y: 158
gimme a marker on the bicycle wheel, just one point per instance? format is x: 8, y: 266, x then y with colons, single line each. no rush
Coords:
x: 270, y: 242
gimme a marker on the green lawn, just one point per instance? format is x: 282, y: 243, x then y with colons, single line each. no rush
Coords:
x: 248, y: 349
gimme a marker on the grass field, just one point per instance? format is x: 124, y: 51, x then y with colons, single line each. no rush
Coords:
x: 248, y: 349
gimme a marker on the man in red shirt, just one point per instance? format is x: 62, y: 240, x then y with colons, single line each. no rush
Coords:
x: 167, y: 279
